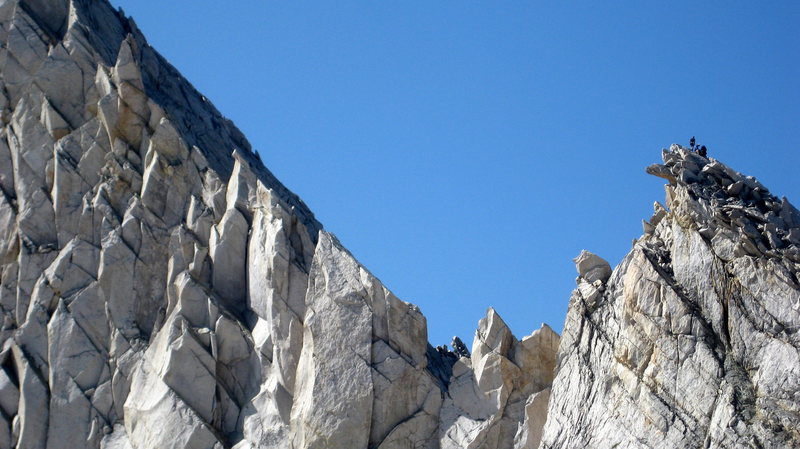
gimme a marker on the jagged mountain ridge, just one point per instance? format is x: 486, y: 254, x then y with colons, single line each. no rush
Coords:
x: 159, y: 288
x: 693, y: 340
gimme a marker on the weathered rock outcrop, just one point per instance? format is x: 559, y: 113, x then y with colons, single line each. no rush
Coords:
x: 505, y: 383
x: 693, y: 340
x: 159, y: 288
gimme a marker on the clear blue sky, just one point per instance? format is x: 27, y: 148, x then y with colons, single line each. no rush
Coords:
x: 466, y: 151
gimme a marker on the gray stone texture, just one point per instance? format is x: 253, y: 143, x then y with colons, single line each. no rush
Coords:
x: 692, y: 342
x: 159, y: 288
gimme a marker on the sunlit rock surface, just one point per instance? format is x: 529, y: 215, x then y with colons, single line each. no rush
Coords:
x: 159, y: 288
x: 692, y: 341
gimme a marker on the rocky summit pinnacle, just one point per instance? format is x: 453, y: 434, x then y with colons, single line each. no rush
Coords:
x: 692, y: 341
x: 159, y: 288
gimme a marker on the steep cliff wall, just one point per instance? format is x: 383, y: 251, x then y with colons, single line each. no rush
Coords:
x: 159, y: 288
x: 693, y: 340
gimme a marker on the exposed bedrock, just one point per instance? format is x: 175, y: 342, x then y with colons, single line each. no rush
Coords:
x: 159, y: 288
x: 693, y: 340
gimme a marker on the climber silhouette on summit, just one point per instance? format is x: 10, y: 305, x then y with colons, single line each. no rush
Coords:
x: 699, y: 149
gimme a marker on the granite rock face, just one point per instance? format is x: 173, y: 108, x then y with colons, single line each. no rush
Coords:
x: 692, y: 341
x: 159, y: 288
